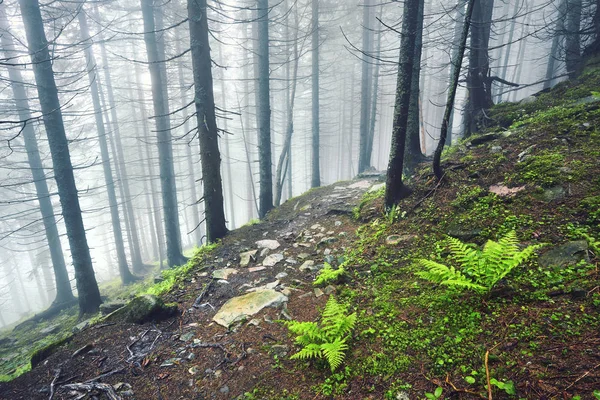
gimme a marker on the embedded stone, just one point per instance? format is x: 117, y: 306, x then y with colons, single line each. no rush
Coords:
x: 268, y: 244
x: 242, y: 307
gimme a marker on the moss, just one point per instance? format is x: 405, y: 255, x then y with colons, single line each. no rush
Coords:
x: 46, y: 351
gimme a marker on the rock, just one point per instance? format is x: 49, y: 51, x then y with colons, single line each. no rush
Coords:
x: 329, y: 290
x: 255, y: 269
x: 565, y: 255
x: 186, y: 337
x: 393, y: 240
x: 241, y: 307
x: 50, y: 329
x: 318, y: 292
x: 170, y: 362
x: 464, y: 234
x: 308, y: 265
x: 329, y: 259
x: 483, y: 139
x: 82, y: 325
x: 327, y: 240
x: 338, y: 223
x: 246, y: 257
x: 286, y: 292
x: 224, y: 389
x: 376, y: 187
x: 281, y: 275
x: 107, y: 308
x: 268, y: 244
x: 280, y: 350
x: 496, y: 149
x: 193, y: 370
x: 264, y: 252
x: 554, y: 193
x: 504, y: 191
x: 224, y: 273
x: 528, y: 100
x: 291, y: 261
x: 402, y: 396
x: 144, y: 308
x: 327, y: 252
x: 364, y: 184
x: 578, y: 293
x: 524, y: 153
x: 272, y: 259
x: 303, y: 256
x: 190, y: 357
x: 315, y: 226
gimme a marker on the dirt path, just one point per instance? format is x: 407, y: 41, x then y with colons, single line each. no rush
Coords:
x: 193, y: 357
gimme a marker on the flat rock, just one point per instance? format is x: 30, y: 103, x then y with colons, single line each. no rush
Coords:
x: 268, y: 244
x: 143, y: 309
x: 554, y: 193
x: 505, y: 191
x: 272, y: 259
x: 50, y: 329
x: 364, y: 184
x: 241, y: 307
x: 246, y: 257
x: 308, y: 265
x: 256, y: 269
x: 224, y: 273
x: 170, y: 362
x: 376, y: 187
x: 395, y: 239
x: 565, y: 255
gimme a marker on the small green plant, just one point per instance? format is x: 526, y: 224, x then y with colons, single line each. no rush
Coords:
x: 437, y: 393
x: 508, y: 386
x: 479, y: 270
x: 593, y: 243
x: 327, y: 340
x: 328, y: 274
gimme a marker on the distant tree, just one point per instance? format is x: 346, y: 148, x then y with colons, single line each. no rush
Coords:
x: 315, y: 180
x: 364, y: 157
x: 573, y: 38
x: 207, y: 123
x: 264, y: 110
x: 87, y: 287
x: 163, y: 130
x: 395, y: 189
x: 64, y: 294
x: 126, y: 276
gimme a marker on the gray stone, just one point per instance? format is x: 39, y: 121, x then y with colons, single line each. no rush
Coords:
x: 170, y: 362
x: 280, y: 350
x: 554, y: 193
x: 268, y: 244
x: 524, y: 153
x: 578, y: 294
x: 107, y: 308
x: 246, y: 257
x: 241, y: 307
x: 194, y: 370
x: 376, y: 187
x: 338, y: 223
x: 224, y: 273
x: 496, y: 149
x: 224, y: 389
x: 568, y: 254
x: 329, y: 290
x: 303, y: 256
x: 464, y: 234
x: 327, y: 240
x: 272, y: 259
x: 402, y: 396
x: 318, y: 292
x: 393, y: 240
x: 528, y: 100
x: 364, y: 184
x: 186, y: 337
x: 50, y: 329
x: 82, y: 325
x: 308, y: 265
x: 143, y: 309
x: 327, y: 252
x: 281, y: 275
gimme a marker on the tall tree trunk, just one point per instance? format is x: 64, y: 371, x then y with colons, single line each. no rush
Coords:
x: 456, y: 67
x: 573, y: 38
x: 64, y: 294
x: 87, y: 287
x: 315, y: 180
x: 478, y: 82
x: 395, y: 190
x: 207, y: 123
x: 413, y: 130
x: 558, y: 34
x: 264, y: 111
x: 375, y: 92
x: 163, y: 128
x: 126, y: 276
x: 364, y: 159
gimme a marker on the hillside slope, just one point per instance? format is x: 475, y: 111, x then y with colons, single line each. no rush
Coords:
x: 534, y: 335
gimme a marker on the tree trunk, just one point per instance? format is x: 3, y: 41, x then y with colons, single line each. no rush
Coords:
x: 554, y: 50
x: 413, y: 131
x: 87, y: 287
x: 573, y: 38
x: 315, y: 180
x: 456, y: 67
x: 395, y: 190
x: 364, y: 159
x: 163, y: 128
x: 375, y: 95
x: 264, y: 111
x: 64, y: 294
x: 126, y: 276
x: 207, y: 123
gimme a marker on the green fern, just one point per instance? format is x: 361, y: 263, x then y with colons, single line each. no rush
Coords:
x: 479, y: 270
x: 327, y: 340
x: 328, y: 274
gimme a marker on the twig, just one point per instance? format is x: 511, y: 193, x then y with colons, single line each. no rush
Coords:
x: 462, y: 390
x: 88, y: 387
x: 106, y: 375
x: 105, y: 325
x: 52, y: 385
x: 202, y: 294
x: 582, y: 376
x: 487, y: 375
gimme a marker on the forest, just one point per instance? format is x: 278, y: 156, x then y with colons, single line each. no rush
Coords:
x: 299, y: 199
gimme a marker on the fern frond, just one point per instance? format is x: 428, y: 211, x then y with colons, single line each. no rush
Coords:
x: 312, y: 350
x: 328, y: 274
x: 307, y: 332
x: 445, y: 275
x: 334, y: 352
x: 332, y: 311
x: 339, y: 327
x: 465, y: 255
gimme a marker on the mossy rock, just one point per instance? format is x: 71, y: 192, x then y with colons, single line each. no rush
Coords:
x: 41, y: 354
x: 143, y: 309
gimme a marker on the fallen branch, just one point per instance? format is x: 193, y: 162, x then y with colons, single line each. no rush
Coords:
x: 202, y: 294
x: 53, y: 383
x: 463, y: 390
x: 106, y: 375
x: 487, y: 375
x: 88, y: 387
x: 583, y: 376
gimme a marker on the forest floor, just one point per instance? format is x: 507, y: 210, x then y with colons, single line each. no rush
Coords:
x: 536, y: 335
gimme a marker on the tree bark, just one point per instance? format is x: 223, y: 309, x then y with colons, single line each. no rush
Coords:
x: 64, y: 294
x: 207, y: 123
x: 315, y: 180
x: 126, y: 276
x: 554, y: 50
x: 364, y: 159
x: 395, y: 190
x: 163, y: 128
x: 573, y: 38
x: 264, y: 111
x: 374, y: 97
x: 87, y: 287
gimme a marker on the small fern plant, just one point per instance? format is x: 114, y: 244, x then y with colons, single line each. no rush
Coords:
x: 328, y: 274
x: 327, y: 340
x: 479, y: 270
